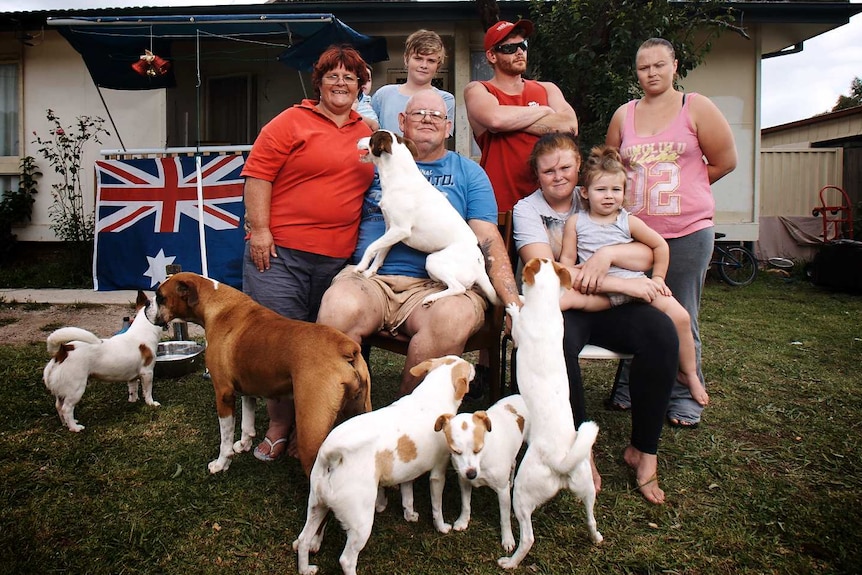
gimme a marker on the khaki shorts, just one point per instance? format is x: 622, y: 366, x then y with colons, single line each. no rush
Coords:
x: 399, y: 295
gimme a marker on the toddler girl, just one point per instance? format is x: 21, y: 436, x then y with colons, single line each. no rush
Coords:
x: 603, y: 221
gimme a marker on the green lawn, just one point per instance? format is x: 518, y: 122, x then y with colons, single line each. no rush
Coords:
x: 769, y: 483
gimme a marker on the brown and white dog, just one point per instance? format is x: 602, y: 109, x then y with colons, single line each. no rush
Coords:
x: 255, y: 352
x: 392, y: 445
x: 557, y: 456
x: 79, y: 354
x: 484, y: 446
x: 418, y: 215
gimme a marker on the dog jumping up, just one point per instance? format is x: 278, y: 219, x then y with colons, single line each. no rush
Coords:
x: 390, y: 446
x: 79, y: 354
x: 418, y: 215
x: 557, y: 456
x: 484, y: 446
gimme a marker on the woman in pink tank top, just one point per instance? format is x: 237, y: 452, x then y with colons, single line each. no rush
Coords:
x: 674, y: 146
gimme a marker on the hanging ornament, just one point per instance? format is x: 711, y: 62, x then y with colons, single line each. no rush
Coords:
x: 151, y: 65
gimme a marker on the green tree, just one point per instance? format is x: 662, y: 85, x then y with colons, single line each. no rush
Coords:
x: 854, y: 99
x: 588, y: 47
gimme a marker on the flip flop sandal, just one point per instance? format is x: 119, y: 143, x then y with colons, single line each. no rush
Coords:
x: 269, y: 457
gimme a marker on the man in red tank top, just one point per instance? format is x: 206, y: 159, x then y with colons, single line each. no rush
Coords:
x: 509, y: 113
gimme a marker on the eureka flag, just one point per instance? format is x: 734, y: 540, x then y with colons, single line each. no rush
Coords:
x: 147, y: 217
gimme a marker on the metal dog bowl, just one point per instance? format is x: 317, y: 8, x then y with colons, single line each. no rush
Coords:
x: 178, y: 358
x: 781, y: 263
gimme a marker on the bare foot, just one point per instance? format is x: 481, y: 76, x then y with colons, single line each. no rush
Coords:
x: 695, y: 387
x: 597, y: 479
x: 646, y: 473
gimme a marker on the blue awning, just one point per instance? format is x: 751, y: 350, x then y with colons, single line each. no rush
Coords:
x: 110, y: 45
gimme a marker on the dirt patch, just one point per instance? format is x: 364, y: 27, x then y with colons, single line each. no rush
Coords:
x: 31, y: 323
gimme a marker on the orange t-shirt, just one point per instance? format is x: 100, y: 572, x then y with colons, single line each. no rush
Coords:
x: 317, y: 180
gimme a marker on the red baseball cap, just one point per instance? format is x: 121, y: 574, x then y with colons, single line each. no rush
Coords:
x: 498, y: 32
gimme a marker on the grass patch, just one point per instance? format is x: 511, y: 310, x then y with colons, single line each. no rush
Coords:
x: 769, y: 483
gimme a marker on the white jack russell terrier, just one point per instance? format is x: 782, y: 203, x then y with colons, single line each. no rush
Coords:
x: 389, y: 446
x: 557, y: 456
x: 417, y: 214
x: 484, y: 447
x: 78, y: 354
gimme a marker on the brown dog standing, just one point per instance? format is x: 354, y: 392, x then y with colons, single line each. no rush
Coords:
x: 255, y: 352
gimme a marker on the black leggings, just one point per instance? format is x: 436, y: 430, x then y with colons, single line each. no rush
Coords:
x: 635, y: 328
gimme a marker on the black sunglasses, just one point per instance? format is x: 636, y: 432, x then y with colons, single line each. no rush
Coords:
x: 511, y: 48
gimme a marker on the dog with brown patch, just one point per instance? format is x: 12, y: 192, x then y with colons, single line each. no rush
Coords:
x: 79, y: 355
x: 255, y: 352
x: 484, y: 446
x: 390, y: 446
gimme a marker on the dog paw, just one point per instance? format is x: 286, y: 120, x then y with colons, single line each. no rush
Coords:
x: 443, y: 528
x: 312, y: 570
x: 133, y: 397
x: 76, y: 428
x: 513, y: 310
x: 218, y: 465
x: 597, y: 538
x: 508, y: 544
x: 506, y: 563
x: 411, y: 516
x: 460, y: 524
x: 242, y: 445
x: 154, y: 403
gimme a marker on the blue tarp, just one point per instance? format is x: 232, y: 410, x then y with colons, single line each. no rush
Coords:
x: 303, y: 55
x: 110, y: 45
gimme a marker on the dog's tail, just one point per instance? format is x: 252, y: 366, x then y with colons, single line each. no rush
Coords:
x: 67, y: 334
x: 582, y: 448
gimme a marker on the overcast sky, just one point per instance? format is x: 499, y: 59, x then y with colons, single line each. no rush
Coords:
x: 802, y: 85
x: 794, y: 87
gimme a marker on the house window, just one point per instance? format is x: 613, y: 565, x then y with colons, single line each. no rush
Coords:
x: 10, y: 129
x: 231, y: 110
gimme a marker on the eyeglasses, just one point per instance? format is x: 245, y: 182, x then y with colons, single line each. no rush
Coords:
x: 511, y: 48
x: 433, y: 116
x: 333, y: 79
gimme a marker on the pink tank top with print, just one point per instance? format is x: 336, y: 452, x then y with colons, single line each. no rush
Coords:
x: 668, y: 183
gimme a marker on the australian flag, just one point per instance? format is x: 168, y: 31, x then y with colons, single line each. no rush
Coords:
x: 147, y: 217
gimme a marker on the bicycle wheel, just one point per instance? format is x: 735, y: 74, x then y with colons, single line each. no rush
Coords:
x: 738, y: 266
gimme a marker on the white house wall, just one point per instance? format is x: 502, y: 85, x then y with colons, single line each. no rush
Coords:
x: 729, y: 77
x: 56, y: 78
